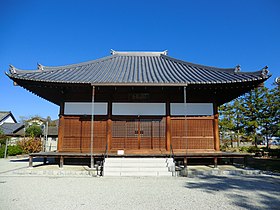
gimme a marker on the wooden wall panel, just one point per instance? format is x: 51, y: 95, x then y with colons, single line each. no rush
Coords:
x: 77, y: 135
x: 194, y: 133
x: 143, y: 134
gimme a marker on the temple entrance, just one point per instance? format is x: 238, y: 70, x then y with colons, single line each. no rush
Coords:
x: 138, y: 134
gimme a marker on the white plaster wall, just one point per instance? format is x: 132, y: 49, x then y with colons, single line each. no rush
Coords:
x: 191, y: 109
x: 146, y: 109
x: 8, y: 120
x: 80, y: 108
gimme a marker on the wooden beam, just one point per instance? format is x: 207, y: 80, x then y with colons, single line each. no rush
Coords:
x: 215, y: 162
x: 216, y: 129
x: 185, y: 162
x: 168, y: 126
x: 60, y: 133
x: 109, y: 133
x: 61, y: 161
x: 216, y: 133
x: 30, y: 161
x: 109, y: 125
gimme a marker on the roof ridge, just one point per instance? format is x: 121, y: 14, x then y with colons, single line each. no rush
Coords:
x: 228, y: 70
x: 139, y: 53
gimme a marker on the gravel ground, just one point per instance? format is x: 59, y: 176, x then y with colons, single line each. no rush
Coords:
x: 219, y: 192
x: 204, y: 192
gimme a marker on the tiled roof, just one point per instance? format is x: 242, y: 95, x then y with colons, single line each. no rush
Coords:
x: 53, y: 131
x: 4, y: 115
x: 11, y: 128
x: 137, y: 68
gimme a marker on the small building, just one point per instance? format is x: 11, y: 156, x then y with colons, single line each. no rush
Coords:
x: 7, y: 117
x: 50, y: 132
x: 15, y: 132
x: 138, y: 103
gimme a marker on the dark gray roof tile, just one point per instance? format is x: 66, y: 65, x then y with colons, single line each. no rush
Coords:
x: 11, y: 128
x: 137, y: 68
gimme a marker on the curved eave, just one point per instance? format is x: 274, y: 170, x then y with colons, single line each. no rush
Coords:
x: 261, y: 79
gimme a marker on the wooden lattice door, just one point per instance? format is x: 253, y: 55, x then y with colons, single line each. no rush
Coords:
x: 140, y: 134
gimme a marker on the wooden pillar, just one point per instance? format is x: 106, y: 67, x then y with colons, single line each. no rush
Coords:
x: 61, y: 161
x: 185, y: 162
x: 60, y: 133
x: 45, y: 160
x: 215, y: 162
x: 109, y: 126
x: 30, y: 161
x: 216, y: 129
x: 168, y: 126
x: 245, y: 161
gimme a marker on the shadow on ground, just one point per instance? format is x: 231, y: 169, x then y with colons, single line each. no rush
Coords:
x: 27, y: 160
x: 249, y: 192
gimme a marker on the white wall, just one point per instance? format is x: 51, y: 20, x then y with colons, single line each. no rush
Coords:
x: 8, y: 120
x: 84, y: 108
x: 191, y: 109
x: 156, y: 109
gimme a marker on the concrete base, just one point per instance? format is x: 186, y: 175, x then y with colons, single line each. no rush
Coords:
x: 192, y: 171
x: 54, y: 170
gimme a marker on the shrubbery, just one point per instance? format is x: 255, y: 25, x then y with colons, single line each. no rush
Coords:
x: 2, y: 151
x: 11, y: 150
x: 14, y: 150
x: 30, y: 145
x: 26, y: 146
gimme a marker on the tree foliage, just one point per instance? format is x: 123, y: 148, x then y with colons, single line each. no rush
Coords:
x: 251, y: 115
x: 30, y: 145
x: 34, y: 130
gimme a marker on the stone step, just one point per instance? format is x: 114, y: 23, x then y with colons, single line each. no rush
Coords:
x: 135, y: 169
x: 139, y: 160
x: 130, y: 164
x: 138, y: 167
x: 137, y: 173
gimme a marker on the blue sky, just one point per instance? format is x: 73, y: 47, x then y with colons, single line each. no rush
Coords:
x: 215, y: 33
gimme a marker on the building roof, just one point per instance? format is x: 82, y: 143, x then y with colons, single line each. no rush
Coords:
x: 11, y: 128
x: 53, y: 131
x: 137, y: 68
x: 4, y: 115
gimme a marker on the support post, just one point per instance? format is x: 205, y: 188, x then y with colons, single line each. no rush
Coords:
x: 30, y: 161
x: 185, y: 111
x: 168, y: 126
x: 185, y: 162
x: 45, y: 160
x: 245, y: 161
x: 61, y: 161
x: 60, y: 133
x: 109, y: 126
x: 92, y: 126
x: 215, y: 162
x: 216, y: 129
x: 109, y: 134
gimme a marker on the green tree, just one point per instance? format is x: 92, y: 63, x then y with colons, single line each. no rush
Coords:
x: 226, y: 122
x: 252, y: 108
x: 231, y: 120
x: 271, y: 113
x: 34, y: 130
